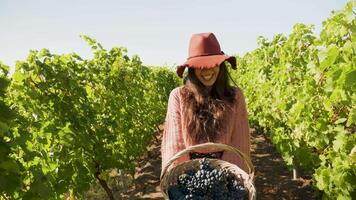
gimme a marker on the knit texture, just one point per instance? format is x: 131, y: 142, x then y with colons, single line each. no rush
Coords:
x: 235, y: 131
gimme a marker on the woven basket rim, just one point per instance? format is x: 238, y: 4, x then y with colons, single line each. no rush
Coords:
x: 208, y: 145
x: 166, y: 171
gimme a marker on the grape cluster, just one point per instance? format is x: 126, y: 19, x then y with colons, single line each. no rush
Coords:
x: 208, y: 183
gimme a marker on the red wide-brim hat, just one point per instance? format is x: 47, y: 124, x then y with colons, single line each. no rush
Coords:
x: 205, y: 52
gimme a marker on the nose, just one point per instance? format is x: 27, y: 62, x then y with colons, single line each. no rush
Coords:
x: 207, y: 70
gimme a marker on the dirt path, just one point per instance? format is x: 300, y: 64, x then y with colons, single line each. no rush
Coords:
x: 273, y: 180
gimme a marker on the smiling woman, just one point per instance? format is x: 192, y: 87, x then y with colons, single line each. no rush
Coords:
x: 206, y: 108
x: 206, y: 111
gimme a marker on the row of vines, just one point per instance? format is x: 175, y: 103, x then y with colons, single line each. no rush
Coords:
x: 65, y: 121
x: 301, y: 90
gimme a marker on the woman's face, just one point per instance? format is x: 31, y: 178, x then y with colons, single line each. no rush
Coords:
x: 207, y: 76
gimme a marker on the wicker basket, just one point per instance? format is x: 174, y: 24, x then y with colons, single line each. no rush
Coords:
x: 169, y: 175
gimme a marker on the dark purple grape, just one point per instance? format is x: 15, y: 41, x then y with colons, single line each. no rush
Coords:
x: 208, y: 183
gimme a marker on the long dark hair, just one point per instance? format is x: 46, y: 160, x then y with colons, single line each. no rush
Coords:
x: 205, y: 110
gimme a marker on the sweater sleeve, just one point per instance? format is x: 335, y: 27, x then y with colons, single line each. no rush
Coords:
x: 241, y: 134
x: 172, y: 139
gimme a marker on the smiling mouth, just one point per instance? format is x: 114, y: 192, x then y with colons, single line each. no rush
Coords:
x: 207, y: 77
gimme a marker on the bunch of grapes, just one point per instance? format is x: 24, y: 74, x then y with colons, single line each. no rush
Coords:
x: 208, y: 183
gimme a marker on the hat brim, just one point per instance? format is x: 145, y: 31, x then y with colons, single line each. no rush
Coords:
x: 206, y: 62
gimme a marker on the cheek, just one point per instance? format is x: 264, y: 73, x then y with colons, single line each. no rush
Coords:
x: 197, y: 72
x: 217, y: 70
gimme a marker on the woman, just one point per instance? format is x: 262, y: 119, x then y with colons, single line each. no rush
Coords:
x: 206, y: 108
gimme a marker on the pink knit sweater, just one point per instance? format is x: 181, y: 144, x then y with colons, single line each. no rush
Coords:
x: 235, y: 132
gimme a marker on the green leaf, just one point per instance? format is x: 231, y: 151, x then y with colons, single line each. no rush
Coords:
x: 341, y: 120
x: 9, y: 165
x: 3, y: 128
x: 352, y: 117
x: 353, y: 154
x: 350, y: 80
x: 328, y: 57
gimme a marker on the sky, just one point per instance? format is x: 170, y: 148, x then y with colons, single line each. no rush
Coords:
x: 157, y: 30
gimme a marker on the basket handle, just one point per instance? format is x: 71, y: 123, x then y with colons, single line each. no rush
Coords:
x: 210, y: 144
